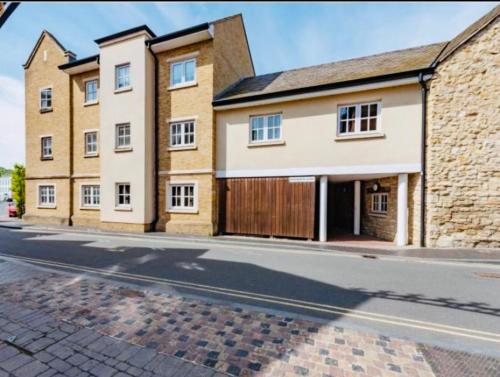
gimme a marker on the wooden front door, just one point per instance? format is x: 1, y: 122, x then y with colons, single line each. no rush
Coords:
x: 267, y: 206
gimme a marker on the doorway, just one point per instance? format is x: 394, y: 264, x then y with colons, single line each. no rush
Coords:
x: 340, y: 209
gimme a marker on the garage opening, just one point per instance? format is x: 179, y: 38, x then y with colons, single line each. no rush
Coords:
x: 278, y: 207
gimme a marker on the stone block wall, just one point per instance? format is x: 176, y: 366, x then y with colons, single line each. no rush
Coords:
x: 463, y: 146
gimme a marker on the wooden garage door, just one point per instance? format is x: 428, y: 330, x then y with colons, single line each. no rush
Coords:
x: 267, y: 206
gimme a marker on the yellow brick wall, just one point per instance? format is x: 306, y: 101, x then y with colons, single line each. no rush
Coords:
x: 179, y: 103
x: 232, y: 59
x: 39, y: 74
x: 58, y: 215
x: 84, y: 118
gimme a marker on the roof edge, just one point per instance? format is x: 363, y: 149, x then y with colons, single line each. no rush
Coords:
x: 320, y: 88
x: 124, y: 33
x: 178, y: 33
x: 78, y: 62
x: 39, y: 41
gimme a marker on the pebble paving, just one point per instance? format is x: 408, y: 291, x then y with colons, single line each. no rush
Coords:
x: 228, y: 339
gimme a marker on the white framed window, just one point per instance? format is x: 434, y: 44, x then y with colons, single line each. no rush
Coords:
x: 265, y: 128
x: 359, y: 118
x: 182, y: 197
x: 46, y: 99
x: 183, y: 72
x: 182, y: 133
x: 122, y: 136
x: 380, y: 203
x: 46, y: 147
x: 90, y: 143
x: 123, y: 195
x: 91, y: 91
x: 47, y: 196
x: 91, y: 196
x: 122, y: 76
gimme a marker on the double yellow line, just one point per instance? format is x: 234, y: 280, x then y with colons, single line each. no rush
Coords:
x: 323, y: 308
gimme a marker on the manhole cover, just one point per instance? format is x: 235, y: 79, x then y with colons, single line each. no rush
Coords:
x: 487, y: 275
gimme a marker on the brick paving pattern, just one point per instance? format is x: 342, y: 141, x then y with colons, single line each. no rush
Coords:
x: 223, y: 338
x: 45, y: 347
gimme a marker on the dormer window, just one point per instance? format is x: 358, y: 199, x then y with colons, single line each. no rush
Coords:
x: 183, y: 73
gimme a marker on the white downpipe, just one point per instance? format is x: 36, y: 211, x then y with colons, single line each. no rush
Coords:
x: 323, y: 207
x: 402, y: 227
x: 357, y: 207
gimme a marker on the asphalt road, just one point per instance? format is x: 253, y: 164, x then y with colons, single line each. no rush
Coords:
x: 456, y: 305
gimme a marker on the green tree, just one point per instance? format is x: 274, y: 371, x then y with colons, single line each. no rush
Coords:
x: 4, y: 171
x: 18, y: 188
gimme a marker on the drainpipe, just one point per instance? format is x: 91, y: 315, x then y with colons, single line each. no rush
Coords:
x: 156, y: 146
x: 424, y: 89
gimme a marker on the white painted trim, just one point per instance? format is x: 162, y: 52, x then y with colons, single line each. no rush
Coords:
x: 93, y: 102
x: 189, y: 56
x: 182, y: 146
x: 357, y: 207
x: 357, y: 119
x: 182, y: 41
x: 184, y: 172
x: 85, y: 132
x: 323, y: 170
x: 95, y: 183
x: 46, y: 206
x: 126, y: 37
x: 402, y: 211
x: 169, y: 208
x: 183, y: 84
x: 323, y: 208
x: 123, y: 207
x: 323, y: 93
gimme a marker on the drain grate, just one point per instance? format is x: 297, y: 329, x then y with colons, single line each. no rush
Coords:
x: 369, y: 256
x: 487, y: 275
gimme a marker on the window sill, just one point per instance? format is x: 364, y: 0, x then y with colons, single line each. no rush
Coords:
x: 121, y: 150
x: 182, y: 148
x: 91, y: 103
x: 91, y: 155
x: 371, y: 135
x: 90, y: 208
x: 183, y: 85
x: 46, y: 110
x: 46, y: 158
x: 123, y: 209
x: 266, y: 143
x: 123, y: 90
x: 46, y: 206
x: 376, y: 214
x: 189, y: 211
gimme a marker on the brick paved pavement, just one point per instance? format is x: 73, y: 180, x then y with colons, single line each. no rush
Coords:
x: 227, y: 338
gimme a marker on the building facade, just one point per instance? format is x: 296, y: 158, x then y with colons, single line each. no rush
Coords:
x: 5, y: 187
x: 175, y: 133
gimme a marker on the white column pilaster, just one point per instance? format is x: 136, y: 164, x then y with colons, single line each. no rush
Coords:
x: 402, y: 210
x: 323, y: 207
x: 357, y: 207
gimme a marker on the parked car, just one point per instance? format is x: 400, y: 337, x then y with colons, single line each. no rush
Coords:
x: 12, y: 209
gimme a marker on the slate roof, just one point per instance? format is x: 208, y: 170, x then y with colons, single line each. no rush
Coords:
x: 381, y: 65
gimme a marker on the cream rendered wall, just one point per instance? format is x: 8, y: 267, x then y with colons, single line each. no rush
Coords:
x: 309, y: 129
x: 127, y: 107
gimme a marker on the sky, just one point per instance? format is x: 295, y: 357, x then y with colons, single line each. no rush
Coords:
x: 282, y: 35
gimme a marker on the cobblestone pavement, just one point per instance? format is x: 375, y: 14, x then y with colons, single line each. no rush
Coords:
x: 226, y: 338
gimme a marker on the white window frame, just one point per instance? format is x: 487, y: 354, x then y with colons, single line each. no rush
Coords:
x: 39, y: 196
x: 183, y: 82
x: 46, y: 156
x: 182, y: 208
x: 119, y: 206
x: 117, y: 137
x: 96, y: 100
x: 121, y: 88
x: 93, y: 186
x: 86, y: 152
x: 266, y: 138
x: 357, y: 119
x: 376, y: 206
x: 40, y: 98
x: 183, y: 133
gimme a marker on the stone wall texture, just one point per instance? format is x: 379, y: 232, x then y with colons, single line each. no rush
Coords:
x: 463, y: 140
